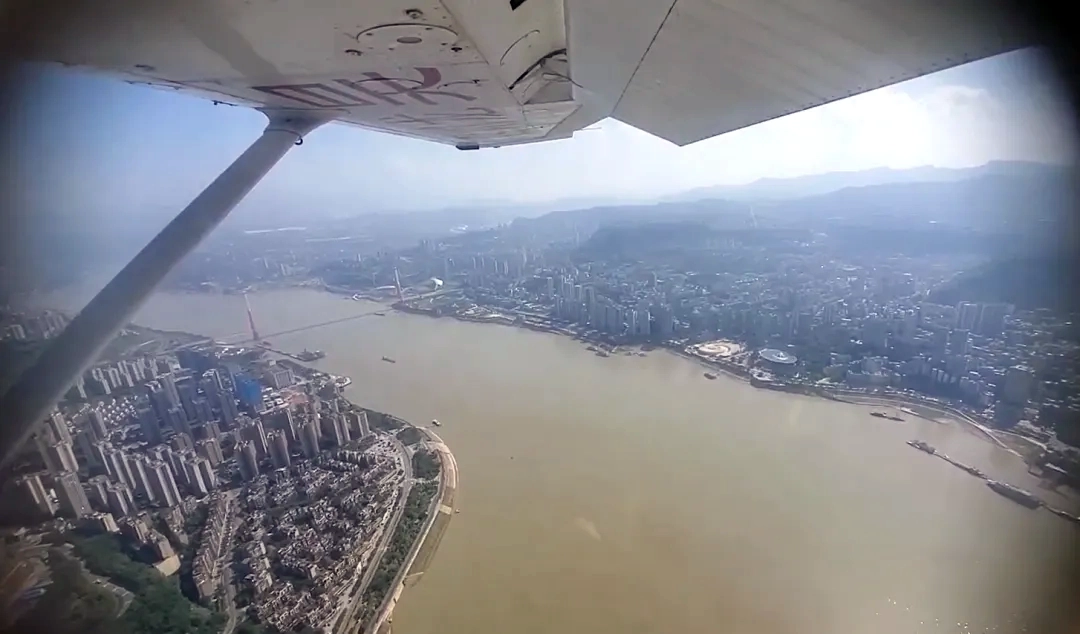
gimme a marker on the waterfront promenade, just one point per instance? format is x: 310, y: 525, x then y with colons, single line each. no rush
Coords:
x: 439, y: 513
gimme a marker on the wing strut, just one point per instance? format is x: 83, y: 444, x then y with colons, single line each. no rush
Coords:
x: 26, y: 403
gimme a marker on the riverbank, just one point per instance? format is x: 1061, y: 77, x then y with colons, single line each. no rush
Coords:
x: 738, y: 372
x: 440, y: 511
x: 924, y: 408
x: 940, y: 410
x: 436, y: 520
x: 854, y: 397
x: 1027, y: 498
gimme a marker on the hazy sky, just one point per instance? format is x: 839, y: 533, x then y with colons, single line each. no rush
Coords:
x: 132, y: 148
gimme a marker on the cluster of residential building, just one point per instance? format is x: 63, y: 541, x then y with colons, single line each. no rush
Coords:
x: 33, y: 326
x: 308, y: 534
x: 210, y: 559
x: 853, y: 320
x: 294, y: 486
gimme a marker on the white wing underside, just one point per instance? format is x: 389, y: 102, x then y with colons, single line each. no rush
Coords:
x: 495, y: 72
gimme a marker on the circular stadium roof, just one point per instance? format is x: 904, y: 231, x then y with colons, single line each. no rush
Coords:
x: 773, y: 355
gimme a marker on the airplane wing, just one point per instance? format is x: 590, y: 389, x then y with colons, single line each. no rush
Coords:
x: 481, y: 73
x: 713, y: 66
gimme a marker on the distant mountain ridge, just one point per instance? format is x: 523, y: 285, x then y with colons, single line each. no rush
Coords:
x: 1001, y: 209
x: 989, y: 201
x: 991, y: 197
x: 817, y: 184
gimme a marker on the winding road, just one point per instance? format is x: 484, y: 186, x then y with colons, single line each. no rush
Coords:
x: 348, y: 622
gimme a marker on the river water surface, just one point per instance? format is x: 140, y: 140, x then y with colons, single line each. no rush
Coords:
x: 624, y: 494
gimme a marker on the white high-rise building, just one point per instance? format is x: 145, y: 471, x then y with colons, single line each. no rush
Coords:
x: 116, y: 466
x: 119, y: 498
x: 140, y: 478
x: 57, y: 428
x: 254, y: 432
x: 35, y: 492
x: 98, y: 452
x: 168, y: 385
x: 279, y: 449
x: 331, y: 429
x: 70, y: 493
x: 96, y: 489
x: 206, y: 470
x: 358, y: 423
x: 342, y: 426
x: 1018, y: 385
x: 211, y: 450
x: 97, y: 423
x: 642, y: 322
x: 309, y: 438
x: 280, y: 377
x: 194, y: 477
x: 162, y: 483
x: 62, y: 457
x: 249, y: 465
x: 84, y: 440
x: 151, y: 367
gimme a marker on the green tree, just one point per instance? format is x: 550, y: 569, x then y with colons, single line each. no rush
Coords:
x: 158, y: 606
x: 425, y: 465
x: 72, y: 604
